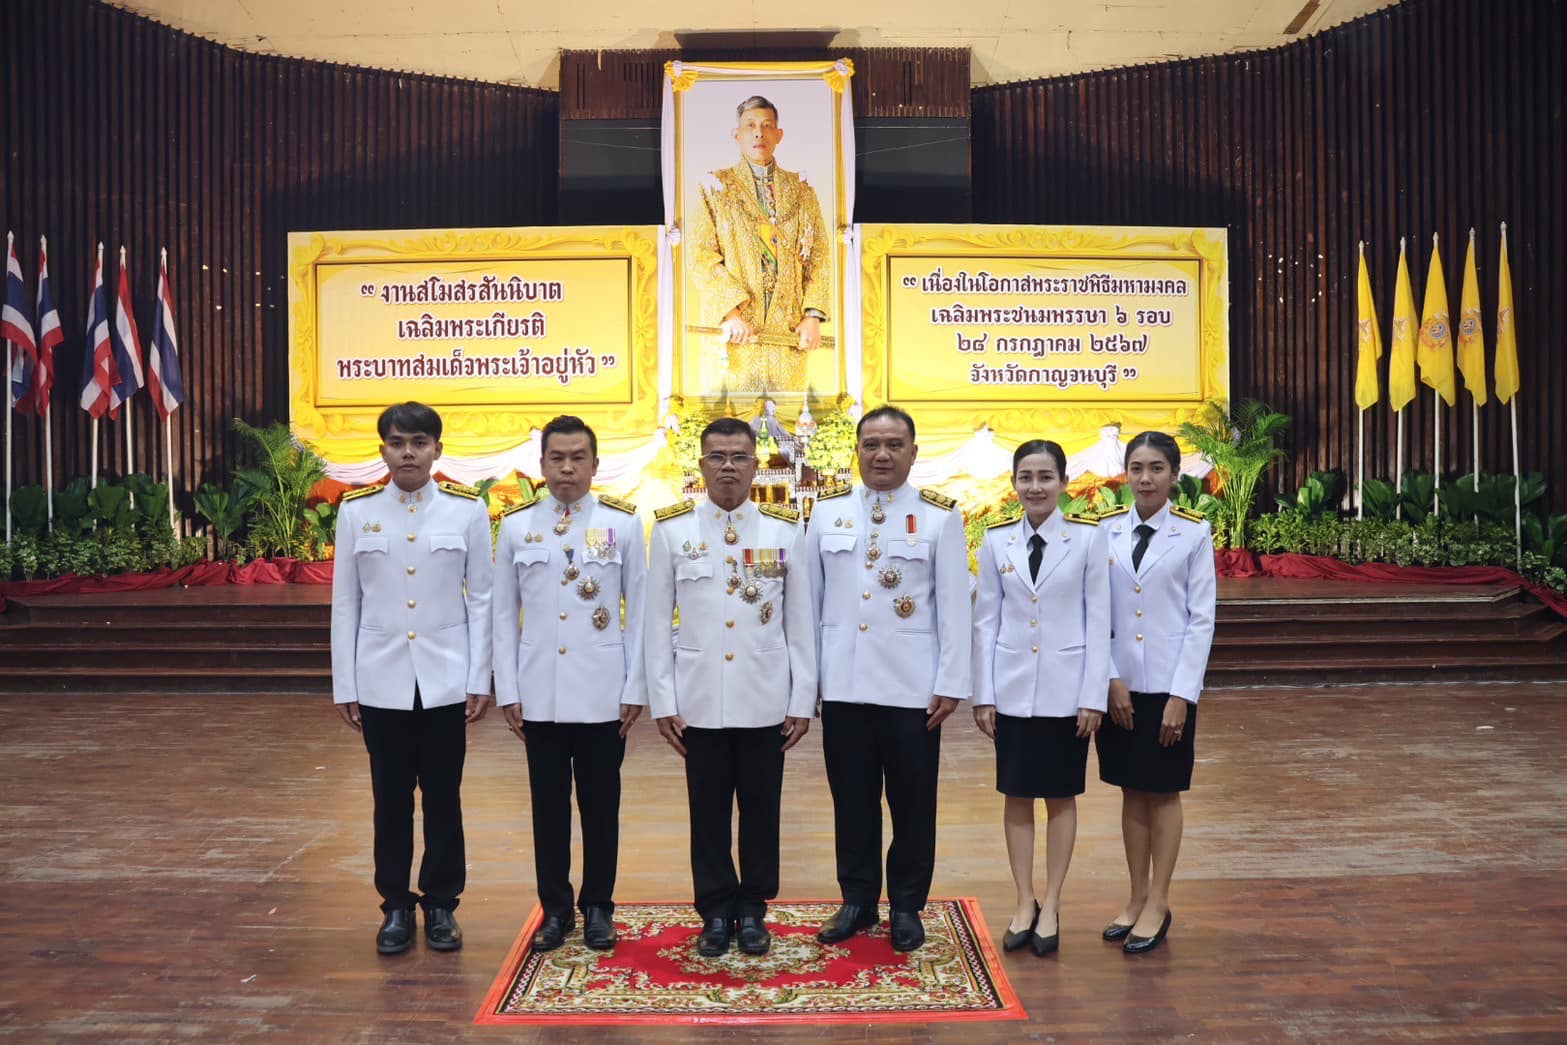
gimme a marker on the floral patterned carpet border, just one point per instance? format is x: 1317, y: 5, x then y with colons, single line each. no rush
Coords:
x: 654, y: 974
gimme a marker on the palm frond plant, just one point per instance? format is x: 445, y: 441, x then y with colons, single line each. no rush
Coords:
x: 278, y: 486
x: 1240, y: 444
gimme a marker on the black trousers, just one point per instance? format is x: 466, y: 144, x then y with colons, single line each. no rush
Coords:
x: 725, y: 767
x: 421, y: 748
x: 590, y: 752
x: 866, y: 745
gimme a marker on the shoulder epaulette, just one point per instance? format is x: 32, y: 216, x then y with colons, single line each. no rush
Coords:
x: 363, y: 491
x: 460, y: 490
x: 616, y: 503
x: 527, y: 502
x: 833, y: 490
x: 1187, y: 513
x: 671, y: 511
x: 1120, y: 509
x: 1005, y: 520
x: 1079, y: 517
x: 940, y: 500
x: 780, y: 511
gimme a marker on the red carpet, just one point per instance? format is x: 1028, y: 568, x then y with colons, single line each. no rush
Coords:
x: 654, y: 974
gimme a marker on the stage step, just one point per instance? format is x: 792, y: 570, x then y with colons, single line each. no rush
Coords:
x: 271, y: 639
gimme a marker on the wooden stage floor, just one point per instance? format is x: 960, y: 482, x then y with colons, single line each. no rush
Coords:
x: 1358, y: 864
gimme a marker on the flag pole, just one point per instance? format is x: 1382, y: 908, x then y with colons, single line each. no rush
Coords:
x: 1474, y: 405
x: 1517, y: 489
x: 95, y: 453
x: 130, y: 450
x: 10, y: 408
x: 1436, y: 475
x: 43, y: 252
x: 168, y: 467
x: 1436, y: 422
x: 1360, y: 470
x: 1398, y: 467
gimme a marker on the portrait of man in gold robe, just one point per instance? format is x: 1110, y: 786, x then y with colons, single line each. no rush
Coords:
x: 759, y: 257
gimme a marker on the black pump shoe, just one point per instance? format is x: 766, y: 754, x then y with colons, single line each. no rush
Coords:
x: 1044, y: 945
x: 1144, y: 944
x: 1016, y: 941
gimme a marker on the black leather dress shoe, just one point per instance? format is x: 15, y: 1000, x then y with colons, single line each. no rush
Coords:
x: 441, y: 930
x: 714, y: 941
x: 1144, y: 944
x: 1116, y: 931
x: 908, y: 932
x: 553, y: 932
x: 1016, y: 941
x: 1044, y: 945
x: 598, y: 928
x: 396, y: 934
x: 752, y: 935
x: 846, y: 921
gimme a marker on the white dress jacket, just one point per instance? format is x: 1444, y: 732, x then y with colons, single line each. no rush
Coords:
x: 1042, y: 647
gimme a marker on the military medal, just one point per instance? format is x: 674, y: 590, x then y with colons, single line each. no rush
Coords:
x: 911, y: 526
x: 731, y: 535
x: 587, y: 588
x: 572, y: 573
x: 527, y: 538
x: 891, y: 577
x: 751, y: 591
x: 903, y: 605
x: 564, y: 523
x: 601, y: 618
x: 878, y: 514
x: 767, y: 612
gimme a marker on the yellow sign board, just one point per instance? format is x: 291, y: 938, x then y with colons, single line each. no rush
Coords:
x: 500, y: 329
x: 1045, y: 329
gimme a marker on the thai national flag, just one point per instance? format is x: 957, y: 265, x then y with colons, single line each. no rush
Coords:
x: 49, y: 333
x: 127, y: 344
x: 164, y: 382
x: 99, y: 374
x: 17, y: 330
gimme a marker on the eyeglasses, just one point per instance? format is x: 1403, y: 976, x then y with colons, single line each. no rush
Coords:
x: 718, y: 460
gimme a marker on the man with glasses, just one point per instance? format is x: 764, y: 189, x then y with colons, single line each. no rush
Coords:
x: 736, y: 689
x: 888, y: 565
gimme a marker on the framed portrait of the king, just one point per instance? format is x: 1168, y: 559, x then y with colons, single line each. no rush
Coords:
x: 761, y: 171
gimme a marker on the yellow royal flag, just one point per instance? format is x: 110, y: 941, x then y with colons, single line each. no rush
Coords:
x: 1471, y: 338
x: 1401, y: 346
x: 1367, y: 390
x: 1435, y: 349
x: 1506, y: 335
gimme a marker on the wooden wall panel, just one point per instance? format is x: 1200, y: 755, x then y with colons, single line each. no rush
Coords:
x: 122, y: 130
x: 1427, y: 117
x: 888, y: 81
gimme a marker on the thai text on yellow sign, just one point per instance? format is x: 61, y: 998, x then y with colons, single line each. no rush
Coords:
x: 472, y: 333
x: 499, y: 329
x: 1050, y: 328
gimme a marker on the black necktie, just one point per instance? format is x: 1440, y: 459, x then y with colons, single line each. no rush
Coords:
x: 1143, y: 533
x: 1036, y: 554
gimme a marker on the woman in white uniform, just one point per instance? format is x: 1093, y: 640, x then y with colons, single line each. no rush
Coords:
x: 1162, y: 598
x: 1041, y: 673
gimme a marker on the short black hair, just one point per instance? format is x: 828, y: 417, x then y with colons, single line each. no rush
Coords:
x: 413, y: 418
x: 885, y: 410
x: 727, y: 426
x: 1158, y: 441
x: 1041, y: 446
x: 566, y: 424
x: 756, y: 101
